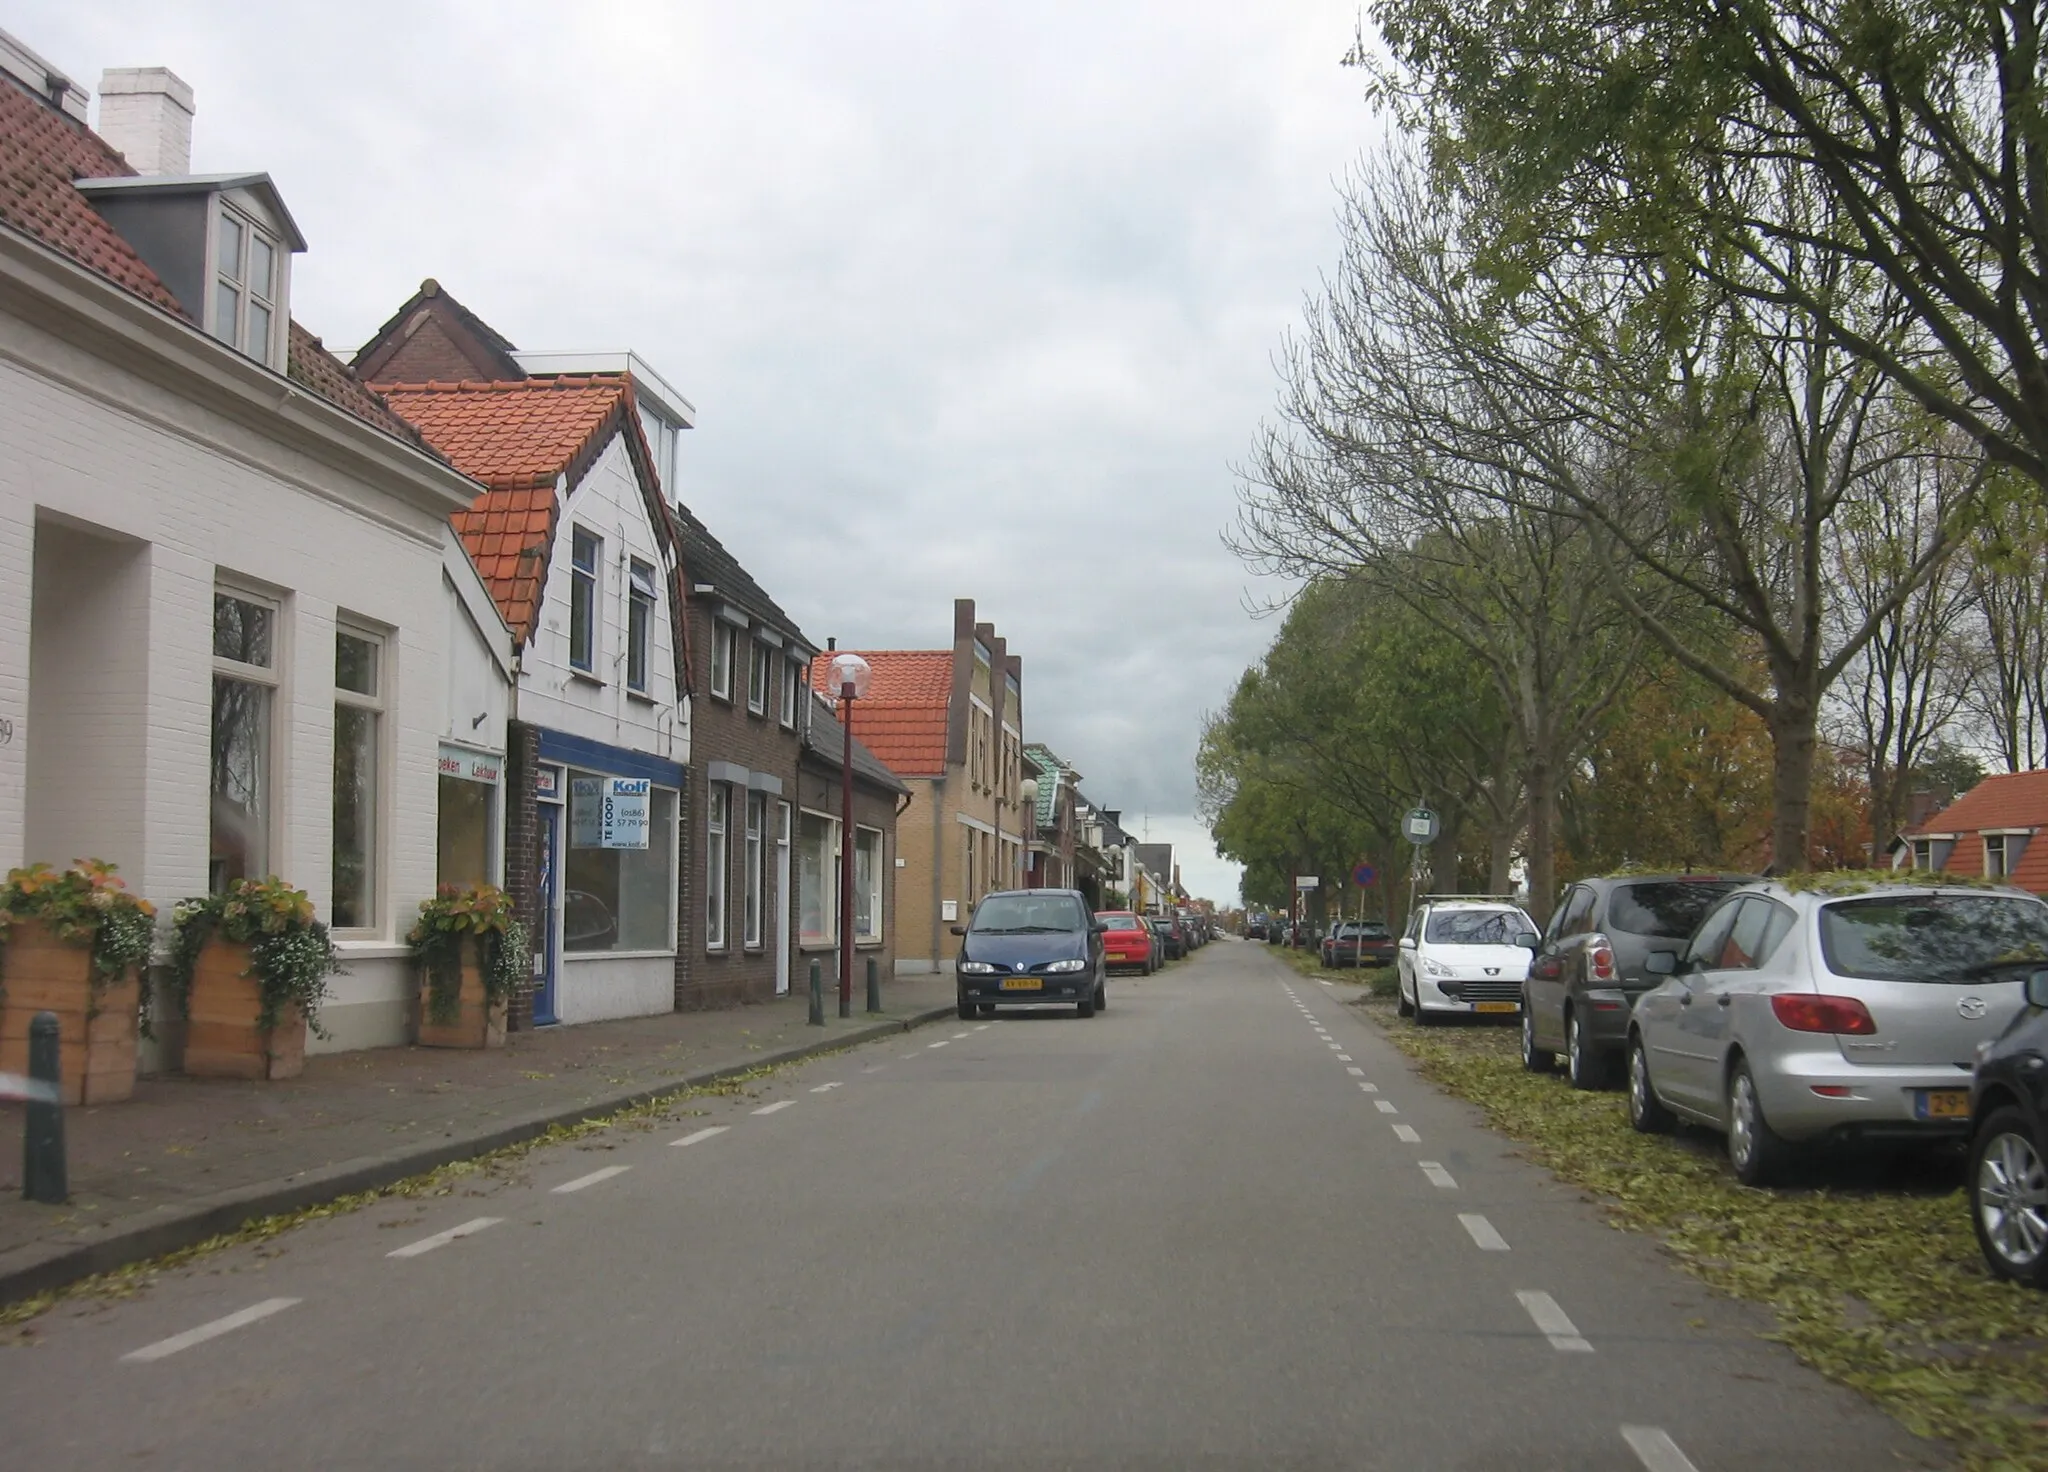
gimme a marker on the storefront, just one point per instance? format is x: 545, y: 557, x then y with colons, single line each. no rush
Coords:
x: 607, y: 830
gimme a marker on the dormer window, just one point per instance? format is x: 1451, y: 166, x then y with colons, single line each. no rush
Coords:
x: 245, y: 285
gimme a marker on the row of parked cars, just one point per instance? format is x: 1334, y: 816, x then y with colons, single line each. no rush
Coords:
x: 1144, y: 943
x: 1791, y: 1016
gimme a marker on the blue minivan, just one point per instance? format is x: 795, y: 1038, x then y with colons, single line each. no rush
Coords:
x: 1031, y: 948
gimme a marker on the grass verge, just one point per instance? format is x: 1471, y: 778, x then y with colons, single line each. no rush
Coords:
x: 1872, y: 1271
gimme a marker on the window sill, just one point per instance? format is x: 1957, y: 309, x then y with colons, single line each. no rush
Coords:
x: 644, y: 697
x: 585, y: 677
x: 369, y: 948
x: 616, y: 955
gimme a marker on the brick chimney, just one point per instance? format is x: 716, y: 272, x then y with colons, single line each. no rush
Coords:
x: 146, y: 113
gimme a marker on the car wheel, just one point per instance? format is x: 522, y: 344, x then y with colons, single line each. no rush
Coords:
x: 1102, y: 996
x: 1402, y: 1006
x: 966, y: 1010
x: 1758, y: 1153
x: 1588, y: 1066
x: 1422, y: 1018
x: 2009, y: 1199
x: 1646, y: 1112
x: 1535, y: 1059
x: 1085, y: 1007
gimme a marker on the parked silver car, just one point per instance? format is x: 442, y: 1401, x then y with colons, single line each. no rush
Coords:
x: 1796, y: 1016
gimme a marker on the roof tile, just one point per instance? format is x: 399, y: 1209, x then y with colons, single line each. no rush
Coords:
x: 902, y: 719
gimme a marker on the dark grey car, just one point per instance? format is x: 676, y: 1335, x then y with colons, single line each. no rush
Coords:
x: 1588, y: 972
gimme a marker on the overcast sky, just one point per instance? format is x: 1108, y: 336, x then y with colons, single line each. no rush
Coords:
x: 972, y: 299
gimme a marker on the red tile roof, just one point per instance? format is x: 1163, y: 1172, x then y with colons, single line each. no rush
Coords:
x: 42, y: 151
x: 2008, y: 800
x: 902, y: 719
x: 517, y: 438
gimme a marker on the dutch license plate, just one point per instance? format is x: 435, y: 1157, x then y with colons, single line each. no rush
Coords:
x: 1496, y: 1006
x: 1944, y: 1103
x: 1022, y: 984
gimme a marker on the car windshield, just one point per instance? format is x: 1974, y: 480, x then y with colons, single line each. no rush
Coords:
x: 1116, y: 921
x: 1475, y: 927
x: 1026, y: 912
x: 1666, y: 909
x: 1933, y: 937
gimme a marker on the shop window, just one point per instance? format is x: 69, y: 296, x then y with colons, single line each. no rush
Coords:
x: 715, y: 866
x: 619, y: 882
x: 639, y: 625
x: 468, y: 818
x: 585, y: 554
x: 244, y: 687
x: 358, y: 721
x: 817, y: 879
x: 867, y: 889
x: 757, y: 821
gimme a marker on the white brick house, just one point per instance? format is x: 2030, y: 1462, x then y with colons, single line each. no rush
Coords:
x: 234, y: 627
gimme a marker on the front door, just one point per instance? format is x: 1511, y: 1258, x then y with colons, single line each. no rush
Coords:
x: 783, y: 909
x: 546, y: 816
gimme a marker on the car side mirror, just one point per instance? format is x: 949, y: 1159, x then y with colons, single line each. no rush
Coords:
x: 1407, y: 943
x: 1661, y: 963
x: 1528, y: 940
x: 1098, y: 928
x: 2037, y: 988
x: 958, y: 929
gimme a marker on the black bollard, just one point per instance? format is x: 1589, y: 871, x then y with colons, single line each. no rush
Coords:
x: 42, y: 1141
x: 874, y: 986
x: 817, y: 994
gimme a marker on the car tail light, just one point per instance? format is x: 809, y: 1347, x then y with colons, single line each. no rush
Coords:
x: 1803, y: 1012
x: 1600, y: 958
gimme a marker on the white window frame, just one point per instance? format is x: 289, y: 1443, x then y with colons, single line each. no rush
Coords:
x: 757, y: 677
x: 265, y: 676
x: 717, y: 818
x: 872, y: 932
x: 754, y: 902
x: 586, y: 585
x: 792, y: 681
x: 828, y: 873
x: 2002, y: 870
x: 378, y: 706
x: 233, y: 281
x: 639, y: 625
x: 721, y: 659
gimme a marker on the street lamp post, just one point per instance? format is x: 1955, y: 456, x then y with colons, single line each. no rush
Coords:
x: 850, y: 674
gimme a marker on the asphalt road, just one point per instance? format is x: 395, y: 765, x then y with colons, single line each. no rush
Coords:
x: 1220, y: 1225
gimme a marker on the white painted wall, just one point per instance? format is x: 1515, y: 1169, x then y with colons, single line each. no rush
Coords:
x: 85, y: 442
x: 598, y: 706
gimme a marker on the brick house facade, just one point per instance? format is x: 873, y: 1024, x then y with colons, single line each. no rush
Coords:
x: 748, y: 714
x: 879, y: 799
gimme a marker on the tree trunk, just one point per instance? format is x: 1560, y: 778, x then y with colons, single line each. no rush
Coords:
x: 1500, y: 877
x: 1792, y: 749
x: 1540, y: 780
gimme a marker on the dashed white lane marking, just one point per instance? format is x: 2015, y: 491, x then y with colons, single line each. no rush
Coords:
x: 1343, y: 1057
x: 967, y: 1034
x: 984, y: 1027
x: 1405, y: 1133
x: 1554, y: 1323
x: 1355, y: 1071
x: 1369, y: 1088
x: 777, y: 1107
x: 939, y: 1044
x: 593, y: 1178
x: 1385, y: 1106
x: 828, y: 1088
x: 1656, y: 1450
x: 1438, y: 1176
x: 1336, y: 1047
x: 1482, y: 1233
x: 442, y: 1239
x: 1325, y: 983
x: 710, y: 1132
x: 205, y: 1332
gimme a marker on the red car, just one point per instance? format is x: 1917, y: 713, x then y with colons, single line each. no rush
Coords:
x: 1358, y: 943
x: 1127, y: 941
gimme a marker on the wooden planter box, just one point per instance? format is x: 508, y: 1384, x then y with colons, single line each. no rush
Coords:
x: 222, y: 1039
x: 96, y: 1035
x: 476, y: 1024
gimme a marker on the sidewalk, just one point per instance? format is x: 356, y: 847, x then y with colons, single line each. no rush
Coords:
x: 187, y: 1158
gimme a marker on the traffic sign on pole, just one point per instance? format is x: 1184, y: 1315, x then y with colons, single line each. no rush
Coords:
x: 1364, y: 875
x: 1420, y: 826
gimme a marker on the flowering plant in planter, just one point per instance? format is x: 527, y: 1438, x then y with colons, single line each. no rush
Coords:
x: 290, y: 953
x: 482, y: 916
x: 86, y: 905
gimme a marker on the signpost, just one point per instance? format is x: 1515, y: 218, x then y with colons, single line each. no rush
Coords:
x: 1419, y: 827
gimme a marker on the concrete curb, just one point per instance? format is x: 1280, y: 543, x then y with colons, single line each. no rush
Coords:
x: 40, y: 1267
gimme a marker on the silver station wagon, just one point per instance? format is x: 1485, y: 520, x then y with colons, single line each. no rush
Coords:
x: 1801, y: 1016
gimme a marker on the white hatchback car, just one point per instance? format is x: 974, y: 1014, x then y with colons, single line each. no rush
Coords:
x: 1464, y: 955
